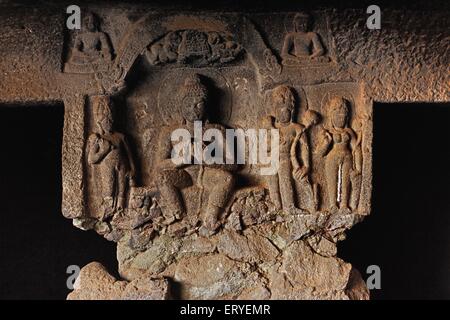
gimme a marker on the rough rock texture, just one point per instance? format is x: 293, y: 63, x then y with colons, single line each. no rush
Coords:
x: 95, y: 283
x: 134, y: 74
x: 255, y: 264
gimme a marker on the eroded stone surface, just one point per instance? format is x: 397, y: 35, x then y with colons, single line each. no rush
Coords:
x: 95, y: 283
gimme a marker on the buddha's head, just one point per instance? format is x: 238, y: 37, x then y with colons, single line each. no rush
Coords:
x: 302, y: 22
x: 90, y: 22
x: 193, y: 98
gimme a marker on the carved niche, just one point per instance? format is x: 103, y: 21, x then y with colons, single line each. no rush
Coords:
x: 302, y: 46
x: 91, y: 50
x: 194, y: 47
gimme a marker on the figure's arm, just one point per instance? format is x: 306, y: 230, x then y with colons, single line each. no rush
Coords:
x: 318, y: 49
x: 77, y: 47
x: 105, y: 46
x: 293, y: 152
x: 267, y: 122
x: 165, y: 151
x: 324, y: 145
x: 304, y: 149
x: 355, y: 144
x: 287, y: 46
x: 129, y: 157
x: 300, y: 171
x: 97, y: 149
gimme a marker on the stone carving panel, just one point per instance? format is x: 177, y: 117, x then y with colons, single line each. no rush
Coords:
x: 167, y: 216
x: 302, y: 46
x: 91, y: 50
x: 135, y: 73
x: 340, y: 143
x: 294, y: 152
x: 194, y: 47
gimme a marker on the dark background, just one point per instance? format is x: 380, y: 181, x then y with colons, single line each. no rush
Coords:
x: 37, y: 243
x: 407, y: 234
x: 241, y: 5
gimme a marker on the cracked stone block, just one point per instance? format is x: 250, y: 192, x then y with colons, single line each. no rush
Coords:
x: 95, y: 283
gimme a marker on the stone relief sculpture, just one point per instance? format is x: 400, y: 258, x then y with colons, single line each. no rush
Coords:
x: 247, y: 233
x: 292, y: 139
x: 110, y: 156
x: 215, y: 179
x: 142, y: 206
x: 194, y: 47
x: 302, y: 46
x: 272, y: 65
x: 342, y: 151
x: 198, y: 231
x: 91, y: 51
x: 356, y: 174
x: 165, y: 50
x: 250, y: 207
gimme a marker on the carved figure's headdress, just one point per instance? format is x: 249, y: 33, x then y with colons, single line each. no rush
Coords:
x: 304, y: 17
x: 338, y: 104
x: 282, y: 95
x: 193, y: 87
x: 102, y: 106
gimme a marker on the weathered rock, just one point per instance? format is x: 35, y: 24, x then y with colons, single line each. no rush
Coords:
x: 304, y: 274
x: 304, y: 267
x: 147, y: 289
x: 95, y: 283
x: 322, y: 246
x: 196, y: 245
x: 152, y: 261
x: 356, y: 287
x: 216, y: 277
x: 249, y: 247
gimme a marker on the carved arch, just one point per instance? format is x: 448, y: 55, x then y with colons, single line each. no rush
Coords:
x: 153, y: 27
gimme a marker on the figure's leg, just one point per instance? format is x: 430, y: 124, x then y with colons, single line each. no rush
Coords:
x: 355, y: 189
x: 168, y: 182
x: 286, y: 185
x: 220, y: 184
x: 306, y: 194
x: 108, y: 188
x: 274, y: 190
x: 331, y: 176
x: 122, y: 185
x: 345, y: 191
